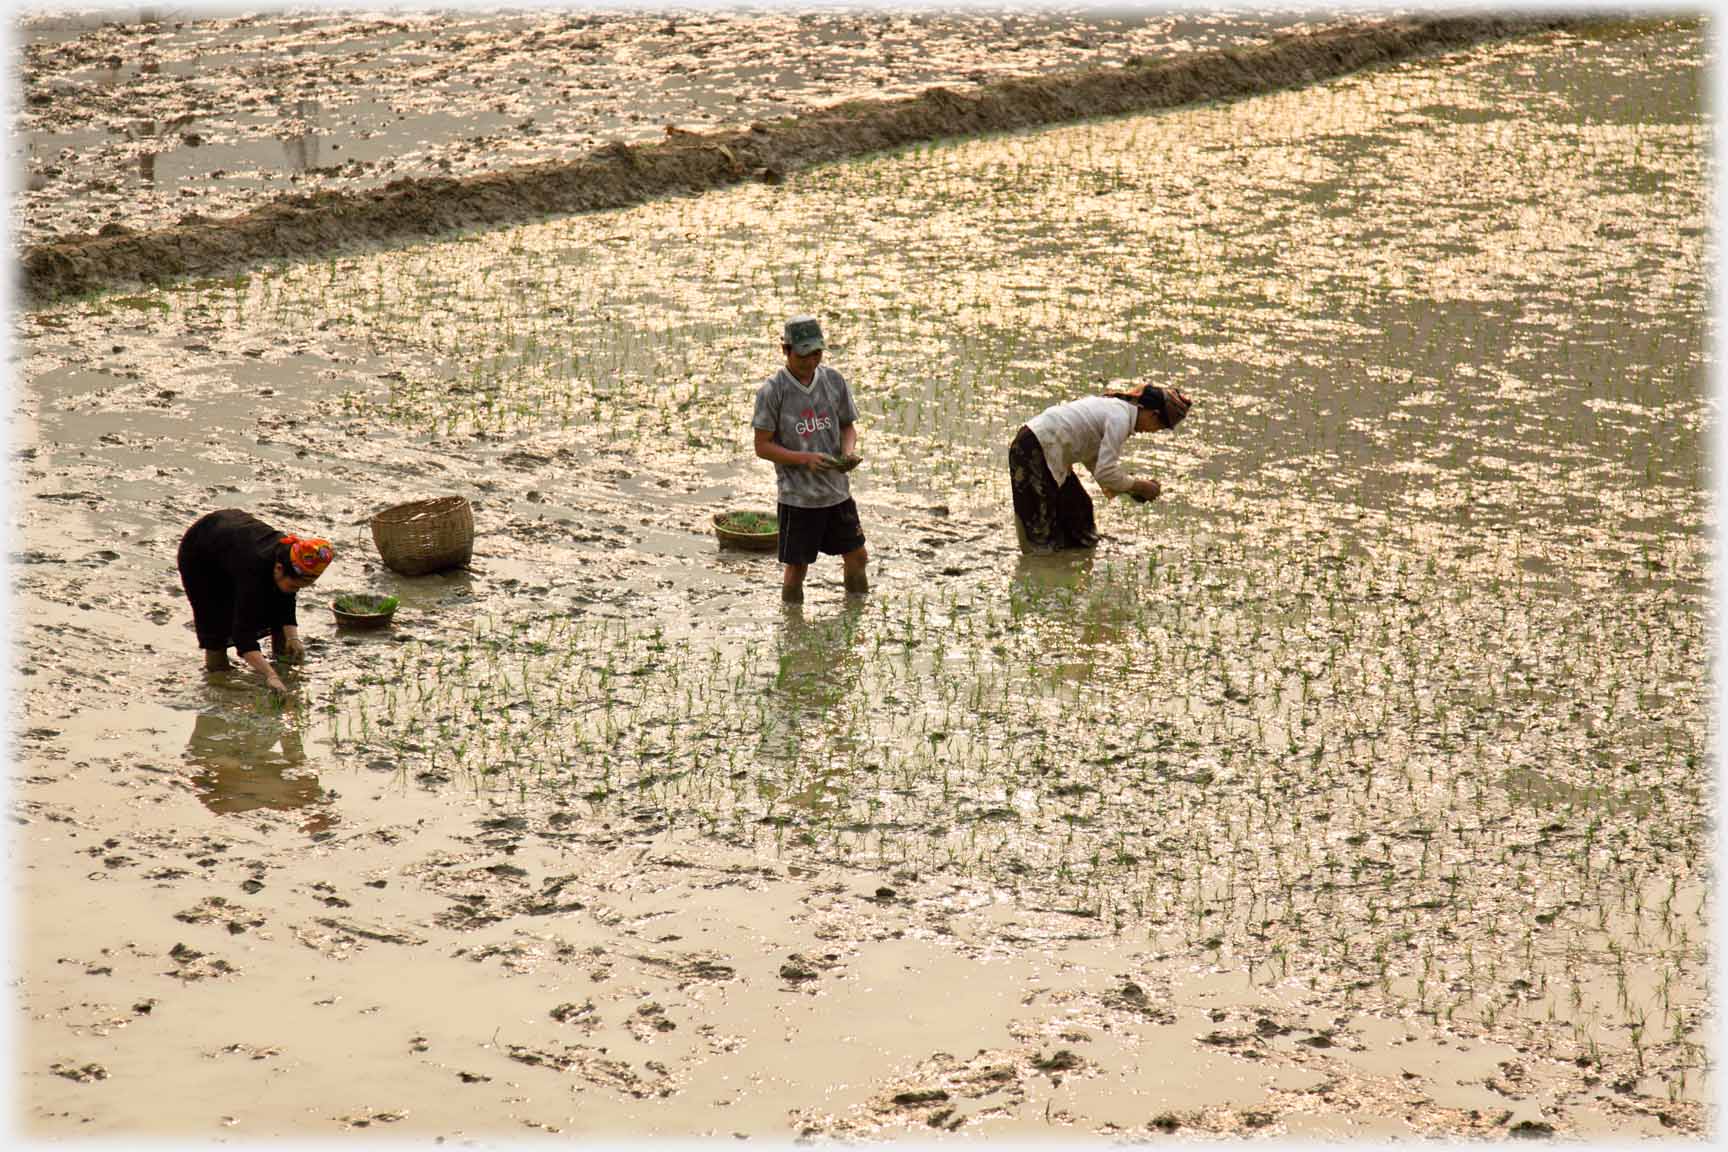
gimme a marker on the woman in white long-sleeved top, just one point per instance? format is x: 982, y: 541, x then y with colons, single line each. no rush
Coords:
x: 1053, y: 509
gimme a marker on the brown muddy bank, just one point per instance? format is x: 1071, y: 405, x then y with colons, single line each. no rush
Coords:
x: 621, y: 174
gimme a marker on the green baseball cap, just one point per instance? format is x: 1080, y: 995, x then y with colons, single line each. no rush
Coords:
x: 804, y: 335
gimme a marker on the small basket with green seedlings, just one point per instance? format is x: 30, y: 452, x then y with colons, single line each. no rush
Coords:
x: 363, y: 609
x: 758, y: 531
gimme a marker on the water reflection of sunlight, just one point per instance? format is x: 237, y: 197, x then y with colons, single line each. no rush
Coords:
x: 241, y: 762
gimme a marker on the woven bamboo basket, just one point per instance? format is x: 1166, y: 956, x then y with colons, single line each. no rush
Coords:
x: 425, y: 536
x: 754, y: 541
x: 365, y: 610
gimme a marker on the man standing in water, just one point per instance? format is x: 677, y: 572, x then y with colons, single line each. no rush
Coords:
x: 805, y: 424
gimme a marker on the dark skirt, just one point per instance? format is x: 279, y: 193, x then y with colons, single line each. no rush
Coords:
x: 1052, y: 516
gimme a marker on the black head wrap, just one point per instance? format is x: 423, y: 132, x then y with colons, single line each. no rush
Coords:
x: 1153, y: 399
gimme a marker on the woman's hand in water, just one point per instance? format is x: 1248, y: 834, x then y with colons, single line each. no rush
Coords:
x: 255, y: 661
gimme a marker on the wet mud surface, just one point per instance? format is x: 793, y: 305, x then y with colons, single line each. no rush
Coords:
x: 137, y: 118
x: 352, y: 211
x: 1355, y: 788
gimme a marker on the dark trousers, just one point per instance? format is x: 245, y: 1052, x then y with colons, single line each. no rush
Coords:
x: 1053, y: 516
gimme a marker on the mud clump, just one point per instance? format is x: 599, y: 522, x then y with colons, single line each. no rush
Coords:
x: 803, y: 967
x: 1063, y: 1061
x: 571, y: 1012
x: 1531, y: 1130
x: 619, y: 174
x: 82, y: 1073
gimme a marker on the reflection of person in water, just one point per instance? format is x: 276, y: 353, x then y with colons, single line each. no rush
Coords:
x: 237, y: 766
x: 1052, y: 508
x: 1087, y: 616
x: 300, y: 146
x: 813, y: 653
x: 241, y: 576
x: 816, y: 668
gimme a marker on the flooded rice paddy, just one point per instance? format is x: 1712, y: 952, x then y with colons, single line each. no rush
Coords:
x: 1367, y: 772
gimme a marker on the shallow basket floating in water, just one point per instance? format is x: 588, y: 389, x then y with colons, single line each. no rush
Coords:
x: 363, y: 610
x: 756, y: 531
x: 424, y: 536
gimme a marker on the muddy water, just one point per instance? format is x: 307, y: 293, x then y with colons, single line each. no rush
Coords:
x: 1361, y: 779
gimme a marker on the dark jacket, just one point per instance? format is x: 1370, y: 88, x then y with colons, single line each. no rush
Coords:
x: 228, y: 565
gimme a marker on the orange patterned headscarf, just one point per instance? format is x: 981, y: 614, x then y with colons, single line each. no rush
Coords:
x: 309, y: 555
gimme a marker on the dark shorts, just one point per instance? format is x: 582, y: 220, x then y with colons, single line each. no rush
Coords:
x: 804, y: 532
x: 1052, y: 516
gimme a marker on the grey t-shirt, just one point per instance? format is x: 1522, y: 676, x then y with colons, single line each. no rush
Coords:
x: 807, y: 420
